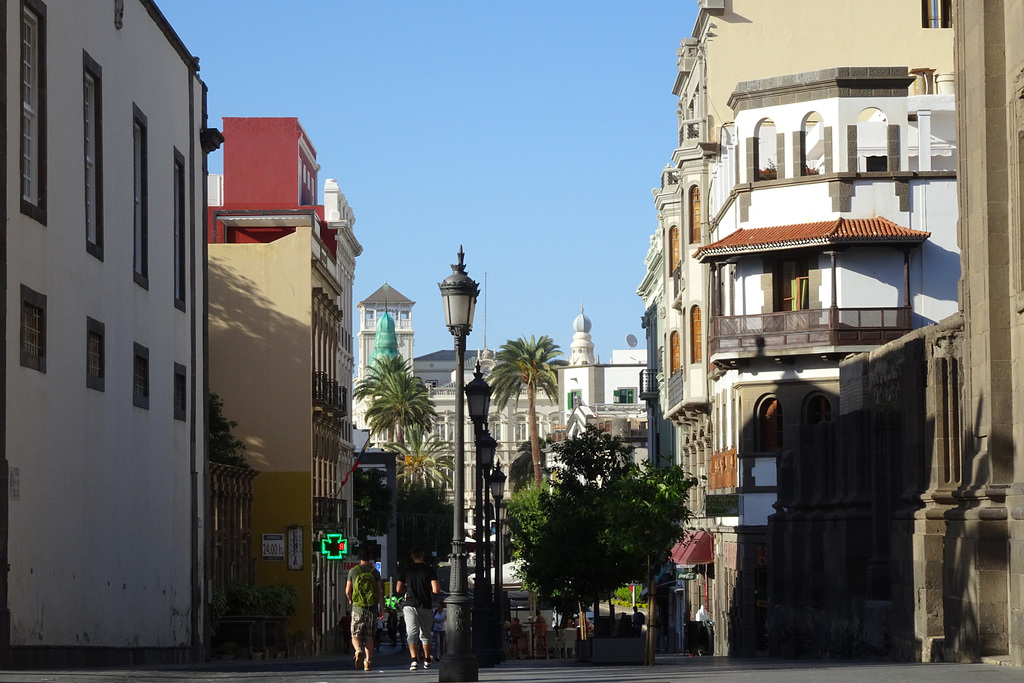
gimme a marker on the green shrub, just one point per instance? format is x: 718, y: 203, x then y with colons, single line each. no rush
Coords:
x: 273, y: 601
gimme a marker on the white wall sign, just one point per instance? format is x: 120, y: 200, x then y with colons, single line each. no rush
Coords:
x: 273, y: 547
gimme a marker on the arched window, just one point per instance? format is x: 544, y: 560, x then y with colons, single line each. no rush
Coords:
x: 673, y: 249
x: 696, y: 348
x: 694, y: 215
x: 872, y: 140
x: 765, y: 151
x: 812, y: 145
x: 818, y: 410
x: 769, y: 422
x: 673, y: 354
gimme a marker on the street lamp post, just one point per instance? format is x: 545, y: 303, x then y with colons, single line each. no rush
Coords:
x: 497, y: 483
x: 459, y: 293
x: 478, y: 395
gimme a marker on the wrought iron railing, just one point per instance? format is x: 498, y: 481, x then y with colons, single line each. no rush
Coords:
x: 328, y: 394
x: 648, y: 384
x: 329, y: 513
x: 801, y: 329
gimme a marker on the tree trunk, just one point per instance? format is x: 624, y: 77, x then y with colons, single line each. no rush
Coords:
x: 531, y: 411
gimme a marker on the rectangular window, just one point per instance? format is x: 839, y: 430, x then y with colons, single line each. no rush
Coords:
x: 573, y: 399
x: 936, y: 13
x: 95, y: 354
x: 33, y: 109
x: 92, y: 134
x: 624, y: 395
x: 140, y: 259
x: 180, y: 392
x: 140, y: 377
x: 33, y: 329
x: 179, y: 230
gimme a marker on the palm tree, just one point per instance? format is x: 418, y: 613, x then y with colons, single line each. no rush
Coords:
x: 397, y: 400
x: 426, y: 458
x: 526, y: 365
x: 520, y: 469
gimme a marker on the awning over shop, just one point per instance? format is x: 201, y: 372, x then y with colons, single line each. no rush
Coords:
x: 697, y: 548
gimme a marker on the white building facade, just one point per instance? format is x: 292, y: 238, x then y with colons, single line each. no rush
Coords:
x: 748, y: 158
x: 104, y: 413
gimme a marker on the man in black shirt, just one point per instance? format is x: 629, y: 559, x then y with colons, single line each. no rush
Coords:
x: 419, y: 582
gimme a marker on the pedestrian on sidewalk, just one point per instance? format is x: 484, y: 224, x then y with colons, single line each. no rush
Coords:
x: 364, y: 590
x: 440, y: 629
x: 419, y: 583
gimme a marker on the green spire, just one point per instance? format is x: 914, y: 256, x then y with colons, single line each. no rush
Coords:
x: 385, y: 341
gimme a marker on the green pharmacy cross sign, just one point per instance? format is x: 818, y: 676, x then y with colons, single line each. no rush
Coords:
x: 334, y: 546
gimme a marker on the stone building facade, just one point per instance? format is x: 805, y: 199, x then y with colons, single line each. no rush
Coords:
x: 914, y: 499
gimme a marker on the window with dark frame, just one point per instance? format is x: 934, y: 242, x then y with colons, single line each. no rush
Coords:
x: 95, y: 354
x: 140, y: 377
x: 179, y: 230
x: 818, y: 409
x: 33, y: 110
x: 140, y: 142
x: 92, y: 135
x: 769, y: 420
x: 33, y: 329
x: 936, y: 13
x: 180, y: 392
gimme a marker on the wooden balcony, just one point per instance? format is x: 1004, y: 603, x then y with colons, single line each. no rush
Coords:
x: 722, y: 470
x: 795, y: 332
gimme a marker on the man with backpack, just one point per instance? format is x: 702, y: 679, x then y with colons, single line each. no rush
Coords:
x: 365, y: 592
x: 419, y: 582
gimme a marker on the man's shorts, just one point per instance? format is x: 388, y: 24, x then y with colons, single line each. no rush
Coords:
x: 364, y: 625
x: 418, y: 623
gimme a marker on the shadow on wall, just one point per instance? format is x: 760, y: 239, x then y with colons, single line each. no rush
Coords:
x: 252, y: 348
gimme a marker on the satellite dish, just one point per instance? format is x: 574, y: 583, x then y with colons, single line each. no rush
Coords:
x: 631, y: 341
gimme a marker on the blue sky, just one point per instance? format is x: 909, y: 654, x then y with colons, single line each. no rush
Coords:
x: 531, y: 132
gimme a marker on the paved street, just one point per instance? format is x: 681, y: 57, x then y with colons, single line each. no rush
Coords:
x: 392, y: 666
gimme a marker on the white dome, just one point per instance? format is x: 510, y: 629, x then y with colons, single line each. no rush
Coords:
x: 581, y: 323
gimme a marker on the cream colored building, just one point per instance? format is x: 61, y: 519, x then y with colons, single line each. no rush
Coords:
x: 280, y: 319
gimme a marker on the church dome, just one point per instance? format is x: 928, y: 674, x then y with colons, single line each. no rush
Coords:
x: 581, y: 323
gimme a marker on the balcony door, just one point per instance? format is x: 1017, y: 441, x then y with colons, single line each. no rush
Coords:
x: 791, y: 285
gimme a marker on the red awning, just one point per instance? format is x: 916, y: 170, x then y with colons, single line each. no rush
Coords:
x: 697, y: 548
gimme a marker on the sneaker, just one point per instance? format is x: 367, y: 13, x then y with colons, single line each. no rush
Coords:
x: 426, y: 663
x: 414, y: 665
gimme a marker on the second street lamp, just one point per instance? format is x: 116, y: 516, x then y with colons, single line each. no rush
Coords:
x: 459, y: 293
x: 478, y: 395
x: 497, y: 484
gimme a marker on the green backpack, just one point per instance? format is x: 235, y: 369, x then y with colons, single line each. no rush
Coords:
x: 364, y: 588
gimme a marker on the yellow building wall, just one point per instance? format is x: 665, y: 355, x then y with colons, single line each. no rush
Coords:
x: 260, y: 365
x: 761, y: 39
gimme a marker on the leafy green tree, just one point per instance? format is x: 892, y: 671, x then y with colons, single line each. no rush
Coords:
x: 605, y: 521
x: 424, y: 458
x: 530, y: 366
x: 425, y: 518
x: 225, y: 448
x: 397, y: 400
x: 371, y: 502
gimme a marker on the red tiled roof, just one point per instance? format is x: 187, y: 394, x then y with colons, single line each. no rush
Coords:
x: 842, y: 231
